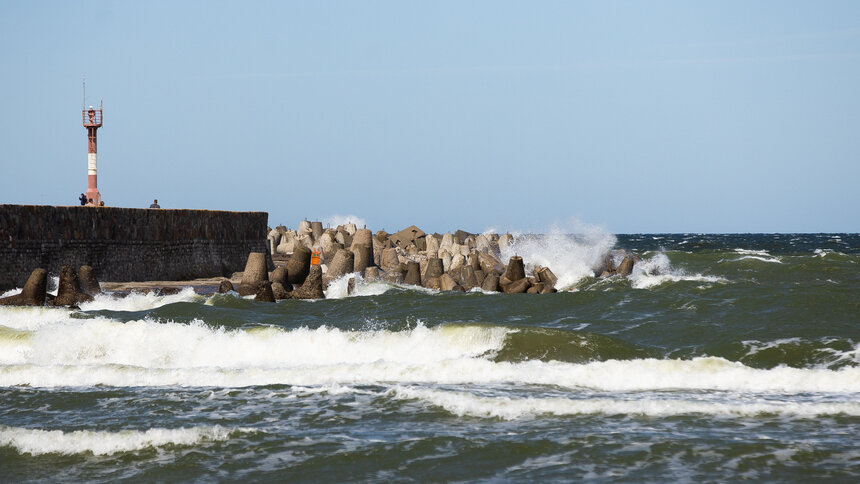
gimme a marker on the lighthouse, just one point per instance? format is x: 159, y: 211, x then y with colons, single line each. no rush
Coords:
x: 92, y: 121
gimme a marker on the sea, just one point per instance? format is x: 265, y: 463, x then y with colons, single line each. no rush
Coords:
x: 721, y: 358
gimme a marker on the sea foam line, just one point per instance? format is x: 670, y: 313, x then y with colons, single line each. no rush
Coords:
x: 38, y: 441
x: 507, y: 408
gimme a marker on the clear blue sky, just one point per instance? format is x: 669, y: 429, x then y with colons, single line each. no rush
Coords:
x: 651, y: 116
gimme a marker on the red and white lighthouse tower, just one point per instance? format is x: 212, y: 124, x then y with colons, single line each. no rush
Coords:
x: 92, y: 121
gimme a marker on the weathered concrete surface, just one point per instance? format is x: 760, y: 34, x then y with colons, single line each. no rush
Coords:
x: 34, y: 292
x: 299, y: 265
x: 69, y: 289
x: 255, y: 273
x: 126, y: 244
x: 88, y: 281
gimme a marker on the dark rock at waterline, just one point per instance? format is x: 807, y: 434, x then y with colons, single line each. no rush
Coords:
x: 434, y: 271
x: 625, y: 267
x: 264, y: 292
x: 255, y: 272
x: 491, y: 282
x: 69, y: 289
x: 536, y: 288
x: 342, y: 263
x: 350, y: 286
x: 479, y: 275
x: 605, y: 267
x: 447, y: 283
x: 34, y: 292
x: 225, y: 286
x: 397, y: 276
x: 280, y: 291
x: 546, y: 276
x: 468, y: 278
x: 517, y: 287
x: 413, y: 273
x: 88, y: 281
x: 169, y: 290
x: 280, y: 275
x: 299, y: 265
x: 312, y: 288
x: 371, y: 274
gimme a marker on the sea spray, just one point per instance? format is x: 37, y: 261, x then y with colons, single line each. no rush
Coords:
x: 572, y: 252
x: 657, y: 269
x: 337, y: 219
x: 339, y: 288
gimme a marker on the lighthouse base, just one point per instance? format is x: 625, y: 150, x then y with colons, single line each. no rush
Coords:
x: 93, y: 192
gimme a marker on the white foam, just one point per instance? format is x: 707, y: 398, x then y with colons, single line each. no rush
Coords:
x: 658, y: 270
x: 151, y: 345
x: 144, y: 353
x: 32, y: 317
x: 762, y: 253
x: 775, y: 260
x: 38, y: 442
x: 136, y: 301
x: 570, y: 257
x: 338, y: 288
x: 826, y: 252
x: 467, y: 404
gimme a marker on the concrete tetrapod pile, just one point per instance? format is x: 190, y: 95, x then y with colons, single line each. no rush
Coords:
x: 457, y: 261
x: 73, y: 288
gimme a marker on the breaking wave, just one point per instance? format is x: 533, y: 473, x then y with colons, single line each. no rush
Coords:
x: 510, y: 408
x: 658, y: 270
x: 38, y: 442
x: 101, y: 351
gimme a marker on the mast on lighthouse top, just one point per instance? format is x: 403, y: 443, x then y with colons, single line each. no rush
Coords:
x: 92, y: 119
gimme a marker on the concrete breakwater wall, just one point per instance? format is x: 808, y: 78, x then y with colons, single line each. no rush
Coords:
x: 126, y: 244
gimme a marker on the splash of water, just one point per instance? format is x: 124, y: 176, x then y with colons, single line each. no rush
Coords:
x: 571, y: 251
x: 337, y: 219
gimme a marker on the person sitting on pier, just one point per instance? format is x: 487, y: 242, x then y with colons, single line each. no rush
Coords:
x: 155, y: 204
x: 83, y: 199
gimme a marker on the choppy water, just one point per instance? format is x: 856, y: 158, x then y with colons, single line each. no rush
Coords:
x: 723, y: 357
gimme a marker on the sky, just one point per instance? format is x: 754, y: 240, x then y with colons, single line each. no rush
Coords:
x: 637, y: 117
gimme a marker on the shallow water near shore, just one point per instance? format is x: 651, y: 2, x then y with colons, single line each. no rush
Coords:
x: 722, y: 357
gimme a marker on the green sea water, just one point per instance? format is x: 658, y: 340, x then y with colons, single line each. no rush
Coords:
x: 721, y: 358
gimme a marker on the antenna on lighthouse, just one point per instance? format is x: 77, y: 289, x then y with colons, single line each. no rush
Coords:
x: 84, y: 103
